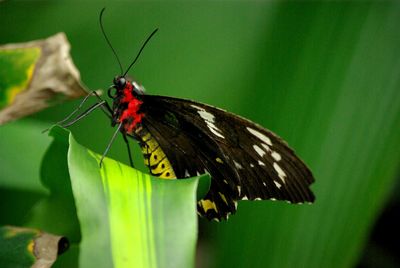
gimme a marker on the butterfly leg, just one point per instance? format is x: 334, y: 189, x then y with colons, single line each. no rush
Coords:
x: 85, y: 113
x: 105, y: 108
x: 129, y: 150
x: 110, y: 143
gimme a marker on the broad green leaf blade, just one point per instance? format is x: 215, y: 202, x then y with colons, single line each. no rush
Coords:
x: 20, y: 186
x: 57, y: 212
x: 128, y: 218
x: 22, y: 247
x: 20, y: 167
x: 328, y: 77
x: 36, y: 74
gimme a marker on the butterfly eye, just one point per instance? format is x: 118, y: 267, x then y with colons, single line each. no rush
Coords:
x: 112, y: 92
x: 121, y: 82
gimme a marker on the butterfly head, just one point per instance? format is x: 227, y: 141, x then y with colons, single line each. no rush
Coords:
x: 119, y: 82
x: 117, y: 88
x: 122, y: 87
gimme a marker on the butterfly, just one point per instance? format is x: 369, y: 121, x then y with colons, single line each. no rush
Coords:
x: 181, y: 138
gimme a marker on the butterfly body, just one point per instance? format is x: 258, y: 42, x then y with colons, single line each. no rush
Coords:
x: 182, y: 138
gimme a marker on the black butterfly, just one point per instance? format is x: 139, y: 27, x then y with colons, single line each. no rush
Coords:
x: 244, y: 160
x: 183, y: 138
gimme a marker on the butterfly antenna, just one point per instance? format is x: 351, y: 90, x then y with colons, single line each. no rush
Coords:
x: 108, y: 41
x: 141, y: 49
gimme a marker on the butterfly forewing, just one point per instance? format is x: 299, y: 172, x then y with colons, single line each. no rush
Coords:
x: 244, y: 160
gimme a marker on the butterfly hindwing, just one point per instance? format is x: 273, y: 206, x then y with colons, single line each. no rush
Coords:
x: 244, y: 160
x: 181, y: 144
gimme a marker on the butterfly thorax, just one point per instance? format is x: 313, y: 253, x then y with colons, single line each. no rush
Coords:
x: 126, y: 108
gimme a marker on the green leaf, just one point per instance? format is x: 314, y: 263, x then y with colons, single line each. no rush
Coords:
x: 57, y: 212
x: 328, y: 77
x: 20, y: 167
x: 16, y: 248
x: 323, y: 75
x: 20, y: 65
x: 128, y: 218
x: 22, y: 247
x: 20, y: 186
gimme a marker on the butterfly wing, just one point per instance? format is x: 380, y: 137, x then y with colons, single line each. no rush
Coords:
x: 245, y: 160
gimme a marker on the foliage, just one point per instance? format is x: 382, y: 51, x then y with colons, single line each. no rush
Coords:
x: 324, y: 76
x: 117, y: 215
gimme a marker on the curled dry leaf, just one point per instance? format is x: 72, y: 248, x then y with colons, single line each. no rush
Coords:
x: 35, y: 75
x: 24, y: 247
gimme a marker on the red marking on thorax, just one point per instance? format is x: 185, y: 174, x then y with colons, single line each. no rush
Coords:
x: 130, y: 114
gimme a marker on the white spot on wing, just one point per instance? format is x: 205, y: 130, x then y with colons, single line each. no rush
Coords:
x: 251, y: 165
x: 138, y: 87
x: 277, y: 184
x: 209, y: 119
x: 187, y: 173
x: 266, y: 147
x: 257, y: 199
x: 135, y: 85
x: 259, y: 150
x: 245, y: 197
x: 215, y: 130
x: 276, y: 156
x: 237, y: 165
x: 264, y: 184
x: 204, y: 114
x: 198, y: 173
x: 260, y: 136
x: 261, y: 163
x: 239, y: 190
x: 280, y: 172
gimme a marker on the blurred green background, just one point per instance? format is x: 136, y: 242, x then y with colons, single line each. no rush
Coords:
x: 324, y: 76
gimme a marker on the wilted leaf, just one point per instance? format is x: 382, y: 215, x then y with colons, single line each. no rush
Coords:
x: 36, y: 74
x: 22, y: 247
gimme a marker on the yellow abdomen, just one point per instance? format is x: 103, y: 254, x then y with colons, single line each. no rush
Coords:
x: 154, y: 156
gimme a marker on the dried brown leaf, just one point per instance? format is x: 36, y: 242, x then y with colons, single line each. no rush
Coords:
x: 50, y: 78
